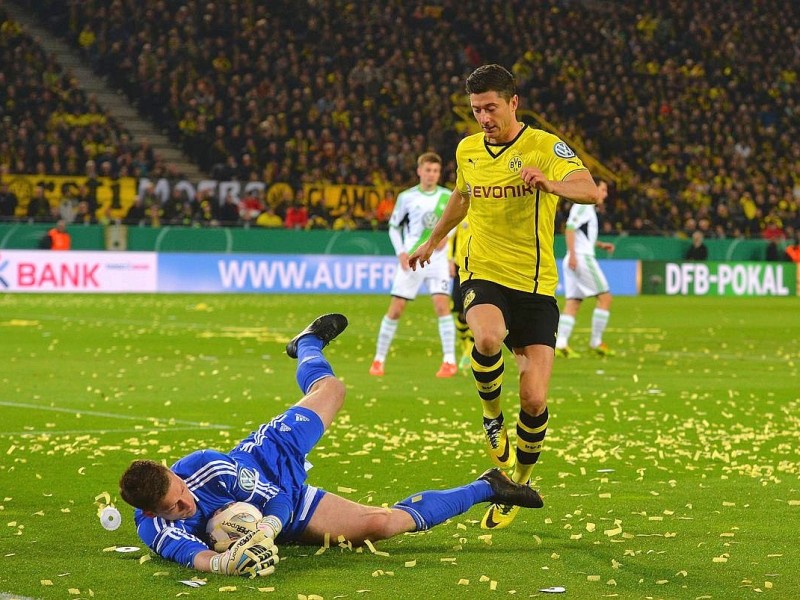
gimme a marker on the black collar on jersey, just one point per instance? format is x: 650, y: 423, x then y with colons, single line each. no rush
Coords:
x: 500, y: 148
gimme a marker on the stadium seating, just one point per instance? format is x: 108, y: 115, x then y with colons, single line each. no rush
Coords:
x: 691, y: 105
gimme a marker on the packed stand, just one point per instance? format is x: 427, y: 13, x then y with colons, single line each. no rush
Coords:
x: 692, y: 104
x: 48, y: 125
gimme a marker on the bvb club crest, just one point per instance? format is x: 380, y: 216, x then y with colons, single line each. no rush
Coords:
x: 515, y: 164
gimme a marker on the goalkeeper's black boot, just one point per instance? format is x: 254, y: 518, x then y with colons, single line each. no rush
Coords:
x: 325, y: 327
x: 507, y: 491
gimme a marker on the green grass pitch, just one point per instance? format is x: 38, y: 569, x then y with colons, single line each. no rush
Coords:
x: 669, y: 471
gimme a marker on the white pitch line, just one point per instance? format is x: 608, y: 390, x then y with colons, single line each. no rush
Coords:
x: 95, y: 413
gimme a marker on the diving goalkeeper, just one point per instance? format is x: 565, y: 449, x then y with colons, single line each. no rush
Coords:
x: 267, y: 470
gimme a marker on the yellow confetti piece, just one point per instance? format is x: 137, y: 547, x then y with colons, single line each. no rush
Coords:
x: 460, y: 526
x: 82, y: 471
x: 65, y: 510
x: 604, y: 495
x: 104, y: 496
x: 593, y: 578
x: 326, y: 543
x: 768, y: 585
x: 320, y: 551
x: 377, y: 573
x: 161, y: 574
x: 144, y: 559
x: 109, y: 549
x: 590, y: 527
x: 12, y: 523
x: 39, y: 513
x: 613, y: 532
x: 410, y: 563
x: 662, y: 581
x: 345, y: 490
x: 45, y: 582
x: 794, y: 503
x: 555, y: 556
x: 463, y: 582
x: 729, y: 504
x: 74, y: 591
x: 266, y: 589
x: 227, y: 588
x: 492, y: 585
x: 370, y: 546
x: 450, y: 560
x: 720, y: 559
x: 537, y: 539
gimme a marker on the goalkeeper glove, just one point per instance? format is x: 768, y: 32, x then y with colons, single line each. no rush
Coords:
x: 254, y: 554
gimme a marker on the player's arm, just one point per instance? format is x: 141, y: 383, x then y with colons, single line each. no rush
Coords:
x: 572, y: 258
x: 453, y: 214
x: 577, y: 186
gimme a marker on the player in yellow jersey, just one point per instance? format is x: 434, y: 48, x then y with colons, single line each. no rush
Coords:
x: 510, y: 177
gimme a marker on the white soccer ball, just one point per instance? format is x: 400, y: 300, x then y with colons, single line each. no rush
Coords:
x: 230, y: 523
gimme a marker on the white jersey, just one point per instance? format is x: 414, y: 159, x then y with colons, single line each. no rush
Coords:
x: 414, y: 216
x: 583, y: 220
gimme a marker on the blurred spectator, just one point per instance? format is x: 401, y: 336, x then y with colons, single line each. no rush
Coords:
x: 345, y: 221
x: 385, y: 207
x: 251, y: 206
x: 39, y: 208
x: 84, y: 215
x: 296, y: 216
x: 792, y: 251
x: 8, y: 202
x: 58, y: 238
x: 137, y: 213
x: 229, y: 211
x: 698, y: 250
x: 269, y: 218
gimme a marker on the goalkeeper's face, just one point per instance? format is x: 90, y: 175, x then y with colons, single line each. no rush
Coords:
x: 178, y: 503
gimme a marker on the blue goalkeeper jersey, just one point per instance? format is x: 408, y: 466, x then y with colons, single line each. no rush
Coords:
x: 267, y: 470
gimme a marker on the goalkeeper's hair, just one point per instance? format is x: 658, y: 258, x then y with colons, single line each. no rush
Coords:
x: 492, y: 78
x: 144, y: 484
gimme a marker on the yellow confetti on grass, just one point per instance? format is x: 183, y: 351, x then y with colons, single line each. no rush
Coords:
x: 466, y: 582
x: 45, y: 582
x: 410, y: 563
x: 721, y: 559
x: 266, y: 589
x: 144, y: 559
x: 227, y: 588
x: 345, y: 490
x: 593, y: 578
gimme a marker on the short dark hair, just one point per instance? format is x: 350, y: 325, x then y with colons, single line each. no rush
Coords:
x: 492, y: 78
x: 144, y: 484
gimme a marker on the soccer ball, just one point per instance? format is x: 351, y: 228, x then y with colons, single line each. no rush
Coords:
x: 230, y: 523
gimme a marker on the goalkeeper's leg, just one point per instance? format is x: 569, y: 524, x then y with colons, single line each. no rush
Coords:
x: 324, y: 392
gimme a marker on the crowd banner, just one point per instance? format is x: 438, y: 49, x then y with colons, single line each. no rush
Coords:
x: 719, y: 278
x: 77, y: 272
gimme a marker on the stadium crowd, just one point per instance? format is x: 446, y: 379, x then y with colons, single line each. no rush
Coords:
x: 693, y: 105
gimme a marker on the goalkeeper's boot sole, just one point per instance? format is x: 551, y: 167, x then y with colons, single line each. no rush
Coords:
x: 499, y: 446
x: 507, y: 491
x: 325, y: 327
x: 499, y: 516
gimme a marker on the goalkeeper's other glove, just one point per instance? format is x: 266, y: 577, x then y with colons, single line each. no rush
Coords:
x: 253, y: 555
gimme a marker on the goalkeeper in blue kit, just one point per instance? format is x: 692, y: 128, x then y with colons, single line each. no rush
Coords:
x: 267, y: 470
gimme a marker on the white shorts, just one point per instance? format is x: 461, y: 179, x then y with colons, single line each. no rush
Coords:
x: 436, y: 276
x: 584, y: 282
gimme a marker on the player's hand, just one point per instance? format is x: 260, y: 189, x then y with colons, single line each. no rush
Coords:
x: 243, y: 556
x: 572, y: 261
x: 403, y: 258
x: 264, y: 557
x: 536, y: 178
x: 421, y: 256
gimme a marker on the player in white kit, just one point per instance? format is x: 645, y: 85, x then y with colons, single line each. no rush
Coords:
x: 583, y: 278
x: 417, y: 210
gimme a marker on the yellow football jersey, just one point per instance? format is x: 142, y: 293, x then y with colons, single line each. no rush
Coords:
x: 510, y: 241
